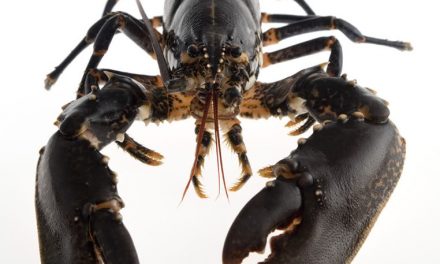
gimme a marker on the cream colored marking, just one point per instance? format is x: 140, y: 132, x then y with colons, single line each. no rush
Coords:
x: 48, y: 82
x: 358, y: 115
x: 108, y: 74
x: 297, y: 104
x: 352, y: 82
x: 120, y: 137
x: 89, y: 136
x: 365, y: 110
x: 115, y: 178
x: 343, y: 117
x: 144, y: 112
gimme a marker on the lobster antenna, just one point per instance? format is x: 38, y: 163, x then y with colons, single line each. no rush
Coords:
x: 163, y: 65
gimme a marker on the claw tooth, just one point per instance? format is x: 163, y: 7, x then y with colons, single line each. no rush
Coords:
x: 270, y: 184
x: 118, y: 217
x: 105, y: 159
x: 344, y: 76
x: 318, y: 192
x: 343, y: 118
x: 317, y: 127
x: 358, y: 115
x: 302, y: 141
x: 114, y: 177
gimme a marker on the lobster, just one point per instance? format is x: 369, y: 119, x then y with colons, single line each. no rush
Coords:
x: 325, y: 195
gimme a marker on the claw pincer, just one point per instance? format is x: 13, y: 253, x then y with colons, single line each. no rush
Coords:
x: 76, y: 197
x: 344, y: 172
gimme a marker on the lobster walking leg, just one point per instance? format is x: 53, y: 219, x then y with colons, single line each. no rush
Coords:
x: 101, y: 34
x: 77, y: 202
x: 307, y: 48
x: 316, y: 23
x: 234, y: 138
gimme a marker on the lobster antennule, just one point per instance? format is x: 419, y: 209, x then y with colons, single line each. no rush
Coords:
x: 217, y: 145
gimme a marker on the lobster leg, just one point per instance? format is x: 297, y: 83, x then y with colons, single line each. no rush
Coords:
x: 316, y: 23
x: 204, y: 150
x: 77, y: 202
x: 307, y: 48
x: 345, y: 172
x: 234, y: 138
x: 101, y: 33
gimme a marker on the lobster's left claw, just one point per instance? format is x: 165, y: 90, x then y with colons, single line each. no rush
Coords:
x: 346, y: 172
x: 76, y: 198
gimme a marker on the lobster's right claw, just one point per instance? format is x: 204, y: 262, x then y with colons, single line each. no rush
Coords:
x: 333, y: 187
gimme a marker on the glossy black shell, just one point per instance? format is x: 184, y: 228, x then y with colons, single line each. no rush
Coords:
x: 212, y: 24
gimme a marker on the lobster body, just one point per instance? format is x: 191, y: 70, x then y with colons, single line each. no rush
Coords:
x: 326, y: 195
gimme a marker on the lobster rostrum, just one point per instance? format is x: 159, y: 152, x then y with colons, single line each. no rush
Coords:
x: 325, y: 195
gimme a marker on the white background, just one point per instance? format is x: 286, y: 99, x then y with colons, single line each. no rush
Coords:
x: 37, y: 35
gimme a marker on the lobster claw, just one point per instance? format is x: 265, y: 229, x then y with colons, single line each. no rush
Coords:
x: 76, y: 198
x: 339, y: 180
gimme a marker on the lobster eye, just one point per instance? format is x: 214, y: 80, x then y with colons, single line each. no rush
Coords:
x: 193, y: 50
x: 235, y: 51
